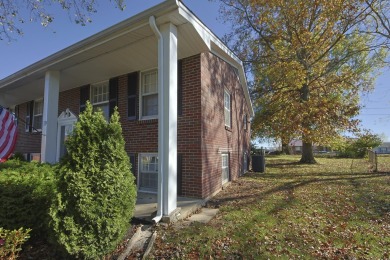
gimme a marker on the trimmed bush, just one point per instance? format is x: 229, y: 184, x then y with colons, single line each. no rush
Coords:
x: 26, y: 193
x: 96, y: 190
x: 11, y: 242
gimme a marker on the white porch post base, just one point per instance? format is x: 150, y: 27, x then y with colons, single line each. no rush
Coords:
x: 50, y: 114
x: 168, y: 119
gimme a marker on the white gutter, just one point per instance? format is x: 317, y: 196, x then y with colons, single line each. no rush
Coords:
x: 152, y: 22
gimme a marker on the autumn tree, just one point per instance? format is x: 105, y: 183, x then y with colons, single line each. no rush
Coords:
x: 14, y: 13
x: 379, y: 20
x: 309, y: 63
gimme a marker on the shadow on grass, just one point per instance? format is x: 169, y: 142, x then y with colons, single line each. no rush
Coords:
x: 284, y: 163
x: 245, y: 198
x: 291, y: 175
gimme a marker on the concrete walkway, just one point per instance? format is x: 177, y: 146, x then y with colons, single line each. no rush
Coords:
x: 146, y: 206
x: 204, y: 216
x: 145, y: 209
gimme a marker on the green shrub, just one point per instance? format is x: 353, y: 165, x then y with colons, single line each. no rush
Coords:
x: 96, y: 191
x: 11, y: 242
x: 26, y: 192
x: 18, y: 156
x: 357, y: 148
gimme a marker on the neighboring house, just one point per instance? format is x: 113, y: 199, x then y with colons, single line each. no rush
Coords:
x: 384, y: 148
x: 181, y: 93
x: 295, y: 146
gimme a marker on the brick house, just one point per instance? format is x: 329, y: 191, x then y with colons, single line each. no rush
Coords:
x: 181, y: 94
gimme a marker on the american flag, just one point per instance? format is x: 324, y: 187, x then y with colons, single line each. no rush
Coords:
x: 8, y: 134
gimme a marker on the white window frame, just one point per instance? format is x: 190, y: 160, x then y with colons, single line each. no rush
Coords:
x: 105, y: 102
x: 140, y: 171
x: 225, y: 167
x: 34, y: 127
x: 141, y: 94
x: 227, y: 108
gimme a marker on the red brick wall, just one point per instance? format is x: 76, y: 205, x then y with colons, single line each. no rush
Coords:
x: 201, y: 127
x: 26, y: 142
x: 141, y: 136
x: 31, y: 142
x: 189, y: 128
x: 217, y: 75
x: 69, y: 99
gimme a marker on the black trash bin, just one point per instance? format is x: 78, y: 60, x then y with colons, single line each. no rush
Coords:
x: 258, y: 162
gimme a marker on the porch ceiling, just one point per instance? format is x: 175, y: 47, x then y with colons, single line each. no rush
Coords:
x: 132, y: 48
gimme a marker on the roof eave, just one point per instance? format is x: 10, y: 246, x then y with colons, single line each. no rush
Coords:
x: 140, y: 19
x: 219, y: 49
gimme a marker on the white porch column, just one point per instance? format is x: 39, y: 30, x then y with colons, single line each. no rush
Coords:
x: 50, y: 114
x: 167, y: 129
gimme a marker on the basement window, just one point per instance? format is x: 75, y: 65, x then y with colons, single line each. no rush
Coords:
x: 225, y: 168
x: 148, y: 172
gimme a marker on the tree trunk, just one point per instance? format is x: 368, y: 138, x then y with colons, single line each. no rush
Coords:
x: 307, y: 147
x: 307, y: 153
x: 285, y: 148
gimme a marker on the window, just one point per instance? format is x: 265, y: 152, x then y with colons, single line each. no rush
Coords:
x: 100, y: 98
x: 148, y: 172
x: 245, y: 122
x: 149, y: 95
x: 225, y: 168
x: 38, y: 115
x: 227, y: 109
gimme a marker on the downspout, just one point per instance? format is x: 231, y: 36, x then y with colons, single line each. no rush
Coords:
x: 152, y: 23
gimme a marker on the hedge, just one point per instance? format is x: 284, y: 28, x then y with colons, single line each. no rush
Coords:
x: 26, y: 193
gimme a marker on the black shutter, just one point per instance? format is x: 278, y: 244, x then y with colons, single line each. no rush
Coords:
x: 113, y: 94
x: 132, y: 157
x: 132, y: 161
x: 180, y: 88
x: 132, y: 83
x: 17, y: 114
x: 84, y: 96
x: 179, y: 174
x: 30, y: 114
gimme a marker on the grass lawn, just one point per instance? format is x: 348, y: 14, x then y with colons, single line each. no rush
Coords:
x: 335, y: 210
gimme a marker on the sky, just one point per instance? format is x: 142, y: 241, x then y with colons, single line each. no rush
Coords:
x: 39, y: 42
